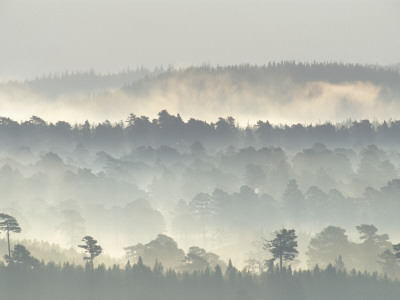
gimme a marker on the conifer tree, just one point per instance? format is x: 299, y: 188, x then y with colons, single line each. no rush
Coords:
x: 91, y: 248
x: 21, y: 256
x: 283, y: 246
x: 9, y: 224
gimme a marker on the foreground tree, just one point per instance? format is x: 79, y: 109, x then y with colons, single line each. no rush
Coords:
x: 21, y: 256
x: 283, y: 246
x: 91, y: 248
x: 9, y: 224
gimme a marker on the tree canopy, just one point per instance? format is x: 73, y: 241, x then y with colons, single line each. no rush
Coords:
x: 9, y: 224
x: 283, y: 246
x: 91, y: 248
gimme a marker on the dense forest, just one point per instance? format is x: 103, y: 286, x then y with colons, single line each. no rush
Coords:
x: 196, y: 181
x: 191, y: 207
x: 22, y: 273
x: 138, y: 281
x: 171, y: 130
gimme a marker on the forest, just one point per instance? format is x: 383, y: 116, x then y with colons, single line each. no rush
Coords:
x: 150, y: 189
x: 163, y: 206
x: 23, y: 274
x: 138, y: 281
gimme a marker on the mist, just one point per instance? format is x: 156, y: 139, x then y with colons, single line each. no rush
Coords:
x: 199, y: 150
x: 280, y: 99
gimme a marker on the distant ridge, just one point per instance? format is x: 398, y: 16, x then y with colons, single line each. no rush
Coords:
x: 141, y: 79
x: 334, y: 73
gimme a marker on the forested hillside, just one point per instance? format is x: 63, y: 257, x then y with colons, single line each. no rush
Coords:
x: 285, y: 92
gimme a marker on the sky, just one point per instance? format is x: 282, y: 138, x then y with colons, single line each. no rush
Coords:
x: 45, y: 36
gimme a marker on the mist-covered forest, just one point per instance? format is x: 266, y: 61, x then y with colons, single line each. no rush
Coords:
x: 284, y: 93
x: 133, y: 180
x: 141, y: 79
x: 191, y: 208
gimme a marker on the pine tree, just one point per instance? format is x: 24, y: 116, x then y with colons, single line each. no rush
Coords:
x: 283, y: 246
x: 9, y: 224
x: 91, y: 248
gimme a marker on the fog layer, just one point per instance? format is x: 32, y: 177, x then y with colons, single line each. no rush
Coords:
x: 285, y: 93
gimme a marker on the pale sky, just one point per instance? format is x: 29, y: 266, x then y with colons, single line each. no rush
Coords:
x: 42, y: 36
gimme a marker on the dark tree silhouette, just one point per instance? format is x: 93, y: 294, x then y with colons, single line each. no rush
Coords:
x: 21, y: 256
x: 283, y: 246
x: 9, y: 224
x: 91, y: 248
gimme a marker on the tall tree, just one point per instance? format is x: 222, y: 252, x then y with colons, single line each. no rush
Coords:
x: 91, y: 248
x: 283, y: 246
x: 9, y: 224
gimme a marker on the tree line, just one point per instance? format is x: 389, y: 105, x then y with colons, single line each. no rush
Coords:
x: 134, y: 79
x: 299, y: 72
x: 170, y: 130
x: 138, y: 281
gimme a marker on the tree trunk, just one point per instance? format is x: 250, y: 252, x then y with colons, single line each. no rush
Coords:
x: 204, y: 236
x: 8, y: 242
x: 281, y: 254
